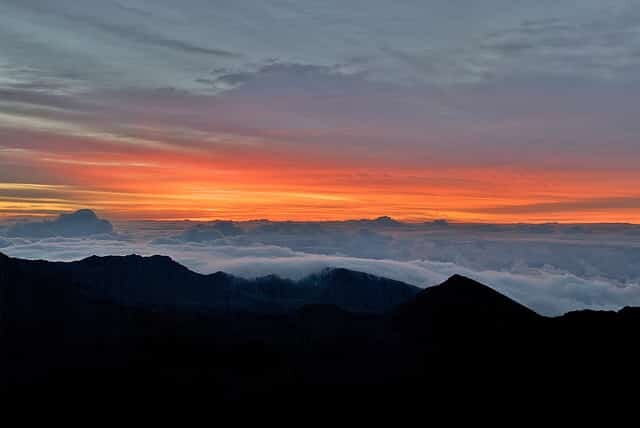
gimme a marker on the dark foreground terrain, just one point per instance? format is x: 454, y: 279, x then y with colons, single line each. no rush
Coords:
x: 133, y: 325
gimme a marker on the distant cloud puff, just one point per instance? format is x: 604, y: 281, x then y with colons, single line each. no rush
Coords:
x: 208, y: 232
x: 77, y: 224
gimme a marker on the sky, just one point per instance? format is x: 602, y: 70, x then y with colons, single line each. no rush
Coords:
x: 499, y: 111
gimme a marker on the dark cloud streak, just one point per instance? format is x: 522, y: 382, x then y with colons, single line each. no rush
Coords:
x: 138, y: 35
x: 603, y: 204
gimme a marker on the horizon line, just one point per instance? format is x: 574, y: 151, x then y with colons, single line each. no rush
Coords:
x: 441, y: 220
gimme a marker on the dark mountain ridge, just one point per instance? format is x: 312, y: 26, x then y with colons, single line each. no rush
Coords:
x: 148, y: 323
x: 160, y: 281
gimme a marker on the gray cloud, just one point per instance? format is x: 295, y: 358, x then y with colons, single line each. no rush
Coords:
x: 79, y: 223
x: 132, y: 9
x: 581, y: 204
x: 407, y: 43
x: 206, y: 232
x: 138, y: 35
x: 603, y: 47
x: 609, y: 252
x: 335, y: 76
x: 277, y: 71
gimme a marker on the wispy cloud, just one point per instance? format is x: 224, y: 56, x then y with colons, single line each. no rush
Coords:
x: 138, y: 35
x: 597, y: 204
x: 51, y: 126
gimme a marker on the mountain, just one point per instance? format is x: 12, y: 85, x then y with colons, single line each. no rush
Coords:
x: 461, y: 298
x: 357, y: 290
x: 383, y: 221
x: 147, y: 325
x: 463, y: 313
x: 159, y: 281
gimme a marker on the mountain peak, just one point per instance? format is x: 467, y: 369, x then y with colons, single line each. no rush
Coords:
x: 386, y: 220
x: 84, y: 213
x: 458, y: 279
x: 164, y: 259
x: 465, y: 284
x: 163, y: 262
x: 463, y: 302
x: 461, y: 291
x: 220, y: 275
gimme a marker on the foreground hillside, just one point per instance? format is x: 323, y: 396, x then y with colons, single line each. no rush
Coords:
x: 149, y: 323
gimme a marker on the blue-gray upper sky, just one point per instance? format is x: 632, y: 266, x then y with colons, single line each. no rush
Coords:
x: 203, y: 45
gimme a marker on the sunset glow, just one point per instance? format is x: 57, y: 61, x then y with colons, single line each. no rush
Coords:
x: 211, y: 186
x: 504, y: 121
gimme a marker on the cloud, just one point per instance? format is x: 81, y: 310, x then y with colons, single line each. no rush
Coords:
x: 138, y: 35
x: 80, y: 223
x: 205, y: 232
x: 279, y: 73
x: 132, y: 9
x: 403, y: 43
x: 605, y: 204
x: 609, y: 252
x: 330, y: 80
x: 602, y: 47
x: 357, y: 238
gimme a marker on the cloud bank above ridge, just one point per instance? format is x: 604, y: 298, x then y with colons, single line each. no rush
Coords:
x: 551, y: 268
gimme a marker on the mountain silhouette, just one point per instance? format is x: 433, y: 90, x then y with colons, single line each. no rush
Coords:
x: 464, y: 313
x: 160, y: 281
x: 144, y: 325
x: 459, y: 296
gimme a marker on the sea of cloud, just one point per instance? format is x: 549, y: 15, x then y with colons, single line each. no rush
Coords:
x: 551, y: 268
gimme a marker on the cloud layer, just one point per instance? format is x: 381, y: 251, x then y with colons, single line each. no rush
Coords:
x: 550, y: 268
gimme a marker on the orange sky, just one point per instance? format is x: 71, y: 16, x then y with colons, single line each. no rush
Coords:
x: 282, y: 186
x: 231, y: 157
